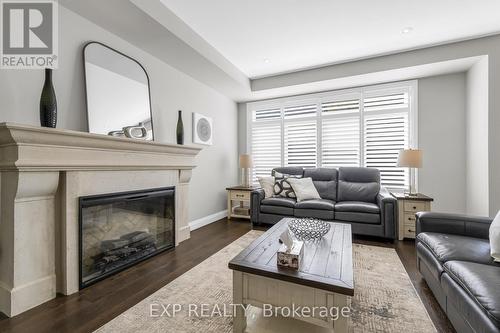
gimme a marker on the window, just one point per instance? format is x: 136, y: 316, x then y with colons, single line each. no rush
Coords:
x: 340, y: 134
x: 356, y: 127
x: 300, y: 135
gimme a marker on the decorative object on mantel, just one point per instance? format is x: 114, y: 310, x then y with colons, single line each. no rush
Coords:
x: 202, y: 129
x: 48, y: 102
x: 309, y: 228
x: 411, y: 158
x: 291, y: 251
x: 132, y: 132
x: 180, y: 129
x: 118, y: 94
x: 246, y: 164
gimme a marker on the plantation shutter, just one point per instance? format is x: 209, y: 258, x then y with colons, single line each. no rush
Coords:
x: 357, y: 127
x: 386, y: 132
x: 340, y: 133
x: 300, y: 136
x: 266, y: 142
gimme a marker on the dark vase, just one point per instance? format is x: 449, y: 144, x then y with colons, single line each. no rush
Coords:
x: 48, y: 103
x: 180, y: 130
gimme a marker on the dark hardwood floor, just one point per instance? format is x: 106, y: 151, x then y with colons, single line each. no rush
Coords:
x: 99, y: 303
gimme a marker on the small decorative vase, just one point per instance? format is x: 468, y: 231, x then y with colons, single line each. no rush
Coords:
x: 180, y: 130
x: 48, y: 103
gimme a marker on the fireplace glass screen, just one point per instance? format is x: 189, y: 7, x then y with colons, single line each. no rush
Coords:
x: 119, y: 230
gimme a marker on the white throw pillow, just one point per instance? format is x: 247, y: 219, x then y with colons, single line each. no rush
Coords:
x: 304, y: 188
x: 267, y: 184
x: 495, y: 238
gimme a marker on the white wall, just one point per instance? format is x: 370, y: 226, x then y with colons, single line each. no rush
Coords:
x: 441, y: 136
x: 477, y: 139
x: 171, y: 90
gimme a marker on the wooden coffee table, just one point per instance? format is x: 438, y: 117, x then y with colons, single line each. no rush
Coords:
x: 325, y: 279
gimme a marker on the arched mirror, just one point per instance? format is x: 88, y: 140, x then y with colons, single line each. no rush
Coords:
x: 118, y: 97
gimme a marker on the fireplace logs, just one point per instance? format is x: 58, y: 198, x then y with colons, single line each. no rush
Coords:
x: 128, y: 247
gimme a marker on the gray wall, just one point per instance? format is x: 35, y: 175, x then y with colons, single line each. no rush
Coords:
x: 171, y: 90
x: 242, y: 128
x: 441, y: 134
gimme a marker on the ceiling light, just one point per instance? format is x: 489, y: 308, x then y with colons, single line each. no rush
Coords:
x: 266, y: 60
x: 407, y: 30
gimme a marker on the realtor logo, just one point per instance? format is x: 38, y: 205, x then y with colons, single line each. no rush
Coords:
x: 29, y: 34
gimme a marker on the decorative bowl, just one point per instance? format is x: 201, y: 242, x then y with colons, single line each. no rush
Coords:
x: 309, y: 228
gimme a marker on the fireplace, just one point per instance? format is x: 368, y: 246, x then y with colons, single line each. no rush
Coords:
x: 119, y: 230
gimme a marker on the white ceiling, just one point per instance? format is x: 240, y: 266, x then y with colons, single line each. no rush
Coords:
x: 299, y: 34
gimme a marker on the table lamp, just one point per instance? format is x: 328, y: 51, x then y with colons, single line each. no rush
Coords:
x: 410, y: 158
x: 245, y: 165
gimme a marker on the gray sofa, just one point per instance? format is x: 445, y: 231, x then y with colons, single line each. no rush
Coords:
x: 453, y: 256
x: 350, y: 195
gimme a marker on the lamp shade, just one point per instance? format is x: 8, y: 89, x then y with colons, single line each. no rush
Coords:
x: 411, y: 158
x: 246, y: 161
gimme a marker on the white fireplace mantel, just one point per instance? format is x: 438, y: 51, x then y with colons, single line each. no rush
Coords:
x: 43, y: 172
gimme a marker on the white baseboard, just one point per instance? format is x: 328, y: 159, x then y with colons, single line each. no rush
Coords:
x: 14, y: 301
x: 207, y: 220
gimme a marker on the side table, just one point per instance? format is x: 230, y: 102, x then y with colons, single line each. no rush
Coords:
x: 242, y: 195
x: 407, y: 207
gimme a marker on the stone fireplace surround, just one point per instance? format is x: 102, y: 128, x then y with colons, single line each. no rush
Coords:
x: 43, y: 172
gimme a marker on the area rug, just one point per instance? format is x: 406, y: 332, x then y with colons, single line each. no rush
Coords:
x: 384, y: 300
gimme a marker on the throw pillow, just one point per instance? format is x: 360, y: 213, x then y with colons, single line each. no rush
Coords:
x: 282, y: 187
x: 495, y: 238
x: 304, y: 189
x: 267, y: 184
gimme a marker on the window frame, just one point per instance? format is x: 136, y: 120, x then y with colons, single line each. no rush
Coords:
x: 410, y: 86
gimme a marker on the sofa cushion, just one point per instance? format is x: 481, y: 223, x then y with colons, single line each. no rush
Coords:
x: 367, y: 218
x: 280, y: 210
x: 279, y: 201
x: 304, y: 189
x: 325, y: 180
x: 296, y: 171
x: 481, y: 282
x: 351, y: 191
x: 358, y: 184
x: 267, y: 184
x: 321, y: 204
x: 447, y: 247
x: 357, y: 206
x: 282, y: 186
x: 494, y: 234
x: 359, y: 175
x: 464, y: 310
x: 428, y: 263
x: 316, y: 213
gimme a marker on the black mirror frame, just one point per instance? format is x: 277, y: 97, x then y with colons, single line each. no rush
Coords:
x: 126, y: 56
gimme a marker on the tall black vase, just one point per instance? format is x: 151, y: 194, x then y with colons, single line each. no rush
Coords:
x: 48, y: 103
x: 180, y: 130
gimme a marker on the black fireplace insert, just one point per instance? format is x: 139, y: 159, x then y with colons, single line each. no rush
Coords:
x: 118, y: 230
